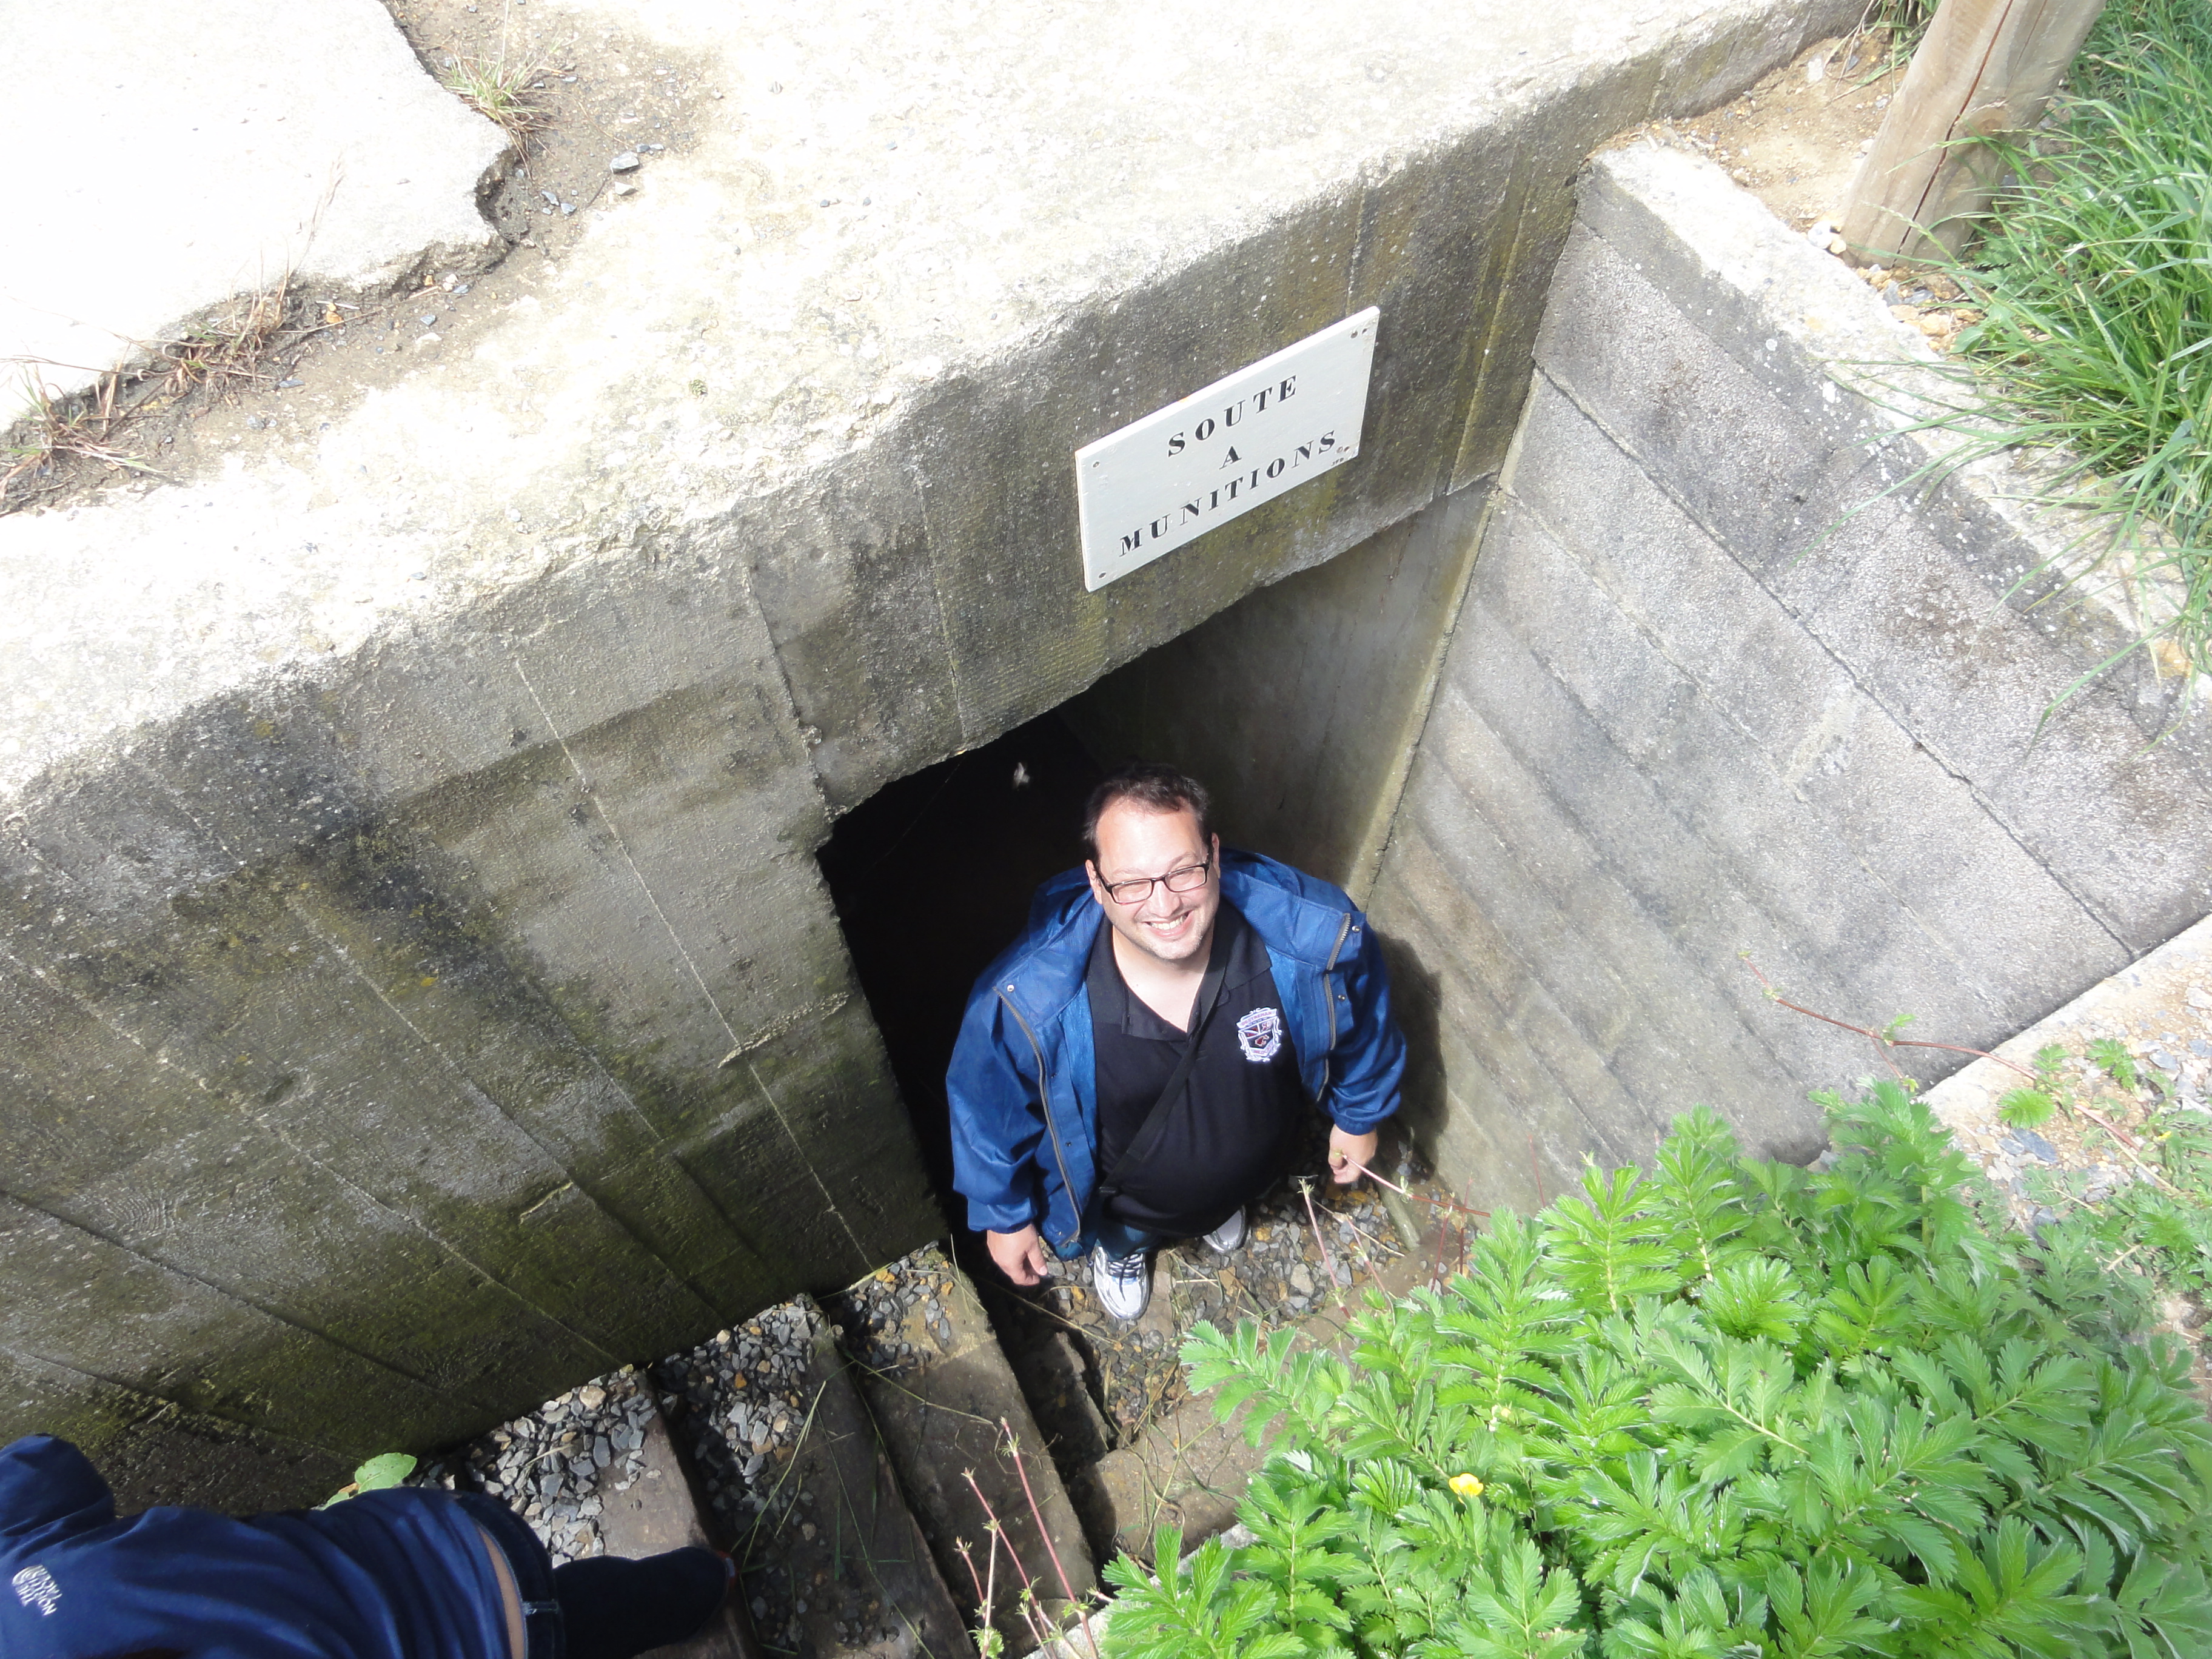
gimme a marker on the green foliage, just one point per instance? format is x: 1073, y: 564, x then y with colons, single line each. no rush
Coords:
x: 2027, y: 1109
x: 2164, y: 1225
x: 2111, y: 1056
x: 2092, y: 288
x: 385, y: 1469
x: 1738, y: 1410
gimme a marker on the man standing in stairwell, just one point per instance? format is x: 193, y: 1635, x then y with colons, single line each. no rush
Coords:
x: 1117, y: 1086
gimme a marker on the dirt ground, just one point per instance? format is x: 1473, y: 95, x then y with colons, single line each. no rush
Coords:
x: 1295, y: 1264
x: 272, y: 381
x: 1796, y: 140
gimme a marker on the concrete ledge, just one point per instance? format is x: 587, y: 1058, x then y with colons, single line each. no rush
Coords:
x: 2161, y: 1008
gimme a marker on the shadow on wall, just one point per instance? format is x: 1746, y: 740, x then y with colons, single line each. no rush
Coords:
x: 1417, y: 1000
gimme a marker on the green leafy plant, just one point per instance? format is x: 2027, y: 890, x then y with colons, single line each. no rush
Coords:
x: 2027, y: 1109
x: 2111, y: 1056
x: 385, y: 1469
x: 2160, y: 1222
x: 1732, y: 1410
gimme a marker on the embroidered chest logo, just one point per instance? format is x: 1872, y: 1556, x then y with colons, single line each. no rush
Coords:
x: 1260, y: 1035
x: 35, y: 1588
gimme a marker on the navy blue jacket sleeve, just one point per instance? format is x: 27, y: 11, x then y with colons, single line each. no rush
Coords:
x: 48, y: 1490
x: 997, y: 1117
x: 1369, y: 1065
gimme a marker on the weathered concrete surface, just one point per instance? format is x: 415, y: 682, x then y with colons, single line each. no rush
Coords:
x: 173, y: 157
x: 418, y: 981
x: 859, y: 1565
x: 1693, y: 710
x: 945, y: 1420
x: 1301, y: 706
x: 660, y: 1510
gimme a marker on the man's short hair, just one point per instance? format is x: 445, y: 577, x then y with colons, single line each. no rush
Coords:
x: 1152, y: 788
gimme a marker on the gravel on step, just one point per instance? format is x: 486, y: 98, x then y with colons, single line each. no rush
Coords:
x: 738, y: 1406
x: 548, y: 1465
x: 742, y: 1408
x: 870, y: 1316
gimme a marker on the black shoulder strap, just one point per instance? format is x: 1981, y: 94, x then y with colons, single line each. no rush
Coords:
x: 1147, y: 1138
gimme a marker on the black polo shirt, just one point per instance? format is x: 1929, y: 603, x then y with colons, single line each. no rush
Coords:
x: 1227, y: 1135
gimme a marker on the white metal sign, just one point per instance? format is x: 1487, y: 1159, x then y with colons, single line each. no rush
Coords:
x: 1176, y: 474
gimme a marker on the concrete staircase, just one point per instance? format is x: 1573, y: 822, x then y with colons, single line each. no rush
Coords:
x: 918, y: 1454
x: 944, y: 1478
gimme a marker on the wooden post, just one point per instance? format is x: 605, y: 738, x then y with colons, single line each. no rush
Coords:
x: 1984, y: 67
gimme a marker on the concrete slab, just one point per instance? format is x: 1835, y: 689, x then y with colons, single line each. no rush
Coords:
x: 658, y: 1511
x: 859, y: 1564
x: 945, y: 1416
x: 173, y: 157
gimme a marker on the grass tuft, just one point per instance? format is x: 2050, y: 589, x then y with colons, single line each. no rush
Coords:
x: 230, y: 349
x: 220, y: 356
x: 60, y: 429
x: 499, y: 91
x: 2094, y: 283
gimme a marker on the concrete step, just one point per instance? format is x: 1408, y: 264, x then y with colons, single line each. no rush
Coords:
x: 861, y: 1575
x: 949, y: 1408
x: 661, y: 1508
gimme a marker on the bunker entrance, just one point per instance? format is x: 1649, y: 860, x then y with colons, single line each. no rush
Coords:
x: 932, y: 877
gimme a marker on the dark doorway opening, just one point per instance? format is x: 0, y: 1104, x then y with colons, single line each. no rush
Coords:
x: 932, y: 876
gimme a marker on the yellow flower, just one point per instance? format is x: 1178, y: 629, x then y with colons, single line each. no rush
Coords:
x: 1466, y: 1485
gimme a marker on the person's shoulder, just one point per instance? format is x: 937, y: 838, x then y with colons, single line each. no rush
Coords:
x: 1241, y: 866
x: 1299, y: 914
x: 1052, y: 949
x: 48, y: 1488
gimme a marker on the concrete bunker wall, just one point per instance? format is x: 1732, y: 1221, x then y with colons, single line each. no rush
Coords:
x: 1695, y: 708
x: 396, y: 1035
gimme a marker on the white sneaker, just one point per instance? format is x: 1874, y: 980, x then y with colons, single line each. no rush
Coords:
x: 1229, y: 1237
x: 1124, y: 1283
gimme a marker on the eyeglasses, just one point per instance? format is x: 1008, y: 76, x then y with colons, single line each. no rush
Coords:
x: 1137, y: 889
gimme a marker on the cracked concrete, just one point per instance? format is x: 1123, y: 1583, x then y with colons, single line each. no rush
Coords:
x: 185, y: 156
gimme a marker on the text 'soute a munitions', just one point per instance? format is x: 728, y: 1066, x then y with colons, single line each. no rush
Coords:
x: 1175, y: 475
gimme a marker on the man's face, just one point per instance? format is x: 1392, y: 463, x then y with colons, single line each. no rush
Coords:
x: 1132, y: 843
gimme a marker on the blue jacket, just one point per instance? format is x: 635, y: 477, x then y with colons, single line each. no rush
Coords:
x: 400, y: 1574
x: 1023, y: 1081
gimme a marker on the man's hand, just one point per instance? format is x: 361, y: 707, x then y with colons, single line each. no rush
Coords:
x: 1020, y: 1256
x: 1348, y: 1154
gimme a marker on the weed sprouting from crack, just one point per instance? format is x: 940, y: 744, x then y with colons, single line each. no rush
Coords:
x: 62, y: 428
x: 499, y: 90
x: 221, y: 357
x: 231, y: 349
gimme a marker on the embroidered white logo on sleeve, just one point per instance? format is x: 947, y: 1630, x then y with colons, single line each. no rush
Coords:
x: 1260, y: 1035
x: 35, y: 1588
